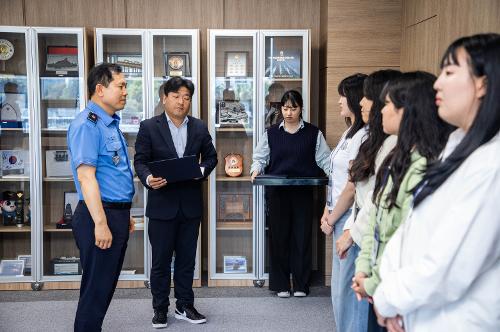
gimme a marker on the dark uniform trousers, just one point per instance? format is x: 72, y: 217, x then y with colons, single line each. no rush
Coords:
x: 372, y: 321
x: 290, y: 221
x: 179, y: 234
x: 101, y: 268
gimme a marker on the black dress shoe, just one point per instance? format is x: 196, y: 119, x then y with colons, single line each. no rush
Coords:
x: 159, y: 319
x: 190, y: 314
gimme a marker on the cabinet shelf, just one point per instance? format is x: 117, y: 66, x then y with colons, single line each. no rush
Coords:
x: 234, y: 225
x: 235, y: 179
x: 15, y: 229
x: 229, y: 130
x: 24, y: 130
x: 14, y: 178
x: 276, y: 79
x: 236, y: 79
x: 58, y: 179
x: 53, y: 229
x: 54, y: 131
x: 68, y: 179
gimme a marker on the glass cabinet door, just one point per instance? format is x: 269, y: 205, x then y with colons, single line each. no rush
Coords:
x: 16, y: 172
x: 284, y: 66
x: 232, y: 125
x: 126, y: 48
x: 174, y: 53
x: 59, y: 70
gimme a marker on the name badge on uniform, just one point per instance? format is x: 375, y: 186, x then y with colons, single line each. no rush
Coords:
x: 116, y: 159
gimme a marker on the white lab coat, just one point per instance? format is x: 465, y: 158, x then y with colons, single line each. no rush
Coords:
x: 441, y: 269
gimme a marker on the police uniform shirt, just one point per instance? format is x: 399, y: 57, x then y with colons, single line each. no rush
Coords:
x: 94, y: 139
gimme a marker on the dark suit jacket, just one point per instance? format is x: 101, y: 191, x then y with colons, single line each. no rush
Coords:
x: 154, y: 142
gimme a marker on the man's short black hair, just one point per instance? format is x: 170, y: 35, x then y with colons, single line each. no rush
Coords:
x: 175, y: 83
x: 102, y: 74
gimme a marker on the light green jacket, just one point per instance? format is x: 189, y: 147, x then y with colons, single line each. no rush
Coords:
x: 389, y: 219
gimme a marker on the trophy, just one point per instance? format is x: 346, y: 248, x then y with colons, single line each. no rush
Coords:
x: 20, y: 209
x: 65, y: 221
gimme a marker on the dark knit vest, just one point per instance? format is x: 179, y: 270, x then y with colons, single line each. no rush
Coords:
x: 293, y: 154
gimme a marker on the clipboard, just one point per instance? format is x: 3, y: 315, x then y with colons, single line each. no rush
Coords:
x: 176, y: 169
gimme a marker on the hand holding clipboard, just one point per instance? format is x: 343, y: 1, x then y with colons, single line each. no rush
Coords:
x: 174, y: 170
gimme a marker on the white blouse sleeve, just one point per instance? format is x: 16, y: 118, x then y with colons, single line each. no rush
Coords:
x: 461, y: 246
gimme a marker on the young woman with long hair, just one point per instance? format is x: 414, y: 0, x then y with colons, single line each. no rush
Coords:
x: 441, y: 268
x: 411, y: 114
x: 351, y: 315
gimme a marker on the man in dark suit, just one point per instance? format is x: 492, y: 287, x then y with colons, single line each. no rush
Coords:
x: 174, y: 209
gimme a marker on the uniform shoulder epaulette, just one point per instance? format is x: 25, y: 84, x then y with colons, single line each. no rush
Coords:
x: 92, y: 117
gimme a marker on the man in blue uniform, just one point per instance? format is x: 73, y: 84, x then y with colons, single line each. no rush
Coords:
x: 104, y: 181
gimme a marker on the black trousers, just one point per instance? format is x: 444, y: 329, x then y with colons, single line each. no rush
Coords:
x: 372, y: 321
x: 166, y: 236
x: 101, y: 268
x: 290, y: 218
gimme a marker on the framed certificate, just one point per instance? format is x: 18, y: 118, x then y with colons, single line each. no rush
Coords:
x: 235, y: 264
x: 58, y: 163
x: 12, y: 267
x: 177, y: 64
x: 236, y: 64
x: 27, y: 262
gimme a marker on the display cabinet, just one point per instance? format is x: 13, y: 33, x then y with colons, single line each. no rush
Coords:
x: 42, y: 88
x: 148, y: 58
x: 59, y: 95
x: 17, y: 178
x: 249, y: 70
x: 42, y: 72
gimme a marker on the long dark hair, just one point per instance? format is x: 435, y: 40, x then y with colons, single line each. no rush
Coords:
x: 483, y: 52
x: 420, y: 130
x: 364, y: 164
x: 351, y: 88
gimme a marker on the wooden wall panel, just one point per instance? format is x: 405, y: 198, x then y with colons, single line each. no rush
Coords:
x: 364, y: 33
x: 265, y: 14
x: 421, y: 44
x: 466, y: 17
x: 323, y: 34
x: 12, y: 12
x: 362, y: 36
x: 425, y: 39
x: 75, y: 13
x: 171, y: 14
x: 416, y: 11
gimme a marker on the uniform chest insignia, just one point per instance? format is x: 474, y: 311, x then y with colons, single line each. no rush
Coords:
x: 92, y: 117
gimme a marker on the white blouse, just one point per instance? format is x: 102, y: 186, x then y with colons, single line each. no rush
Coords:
x: 441, y: 269
x: 358, y: 223
x: 346, y: 150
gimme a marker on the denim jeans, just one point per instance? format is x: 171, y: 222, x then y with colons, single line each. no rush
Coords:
x: 350, y: 314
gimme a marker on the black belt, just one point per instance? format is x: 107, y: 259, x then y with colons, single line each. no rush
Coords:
x: 115, y: 205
